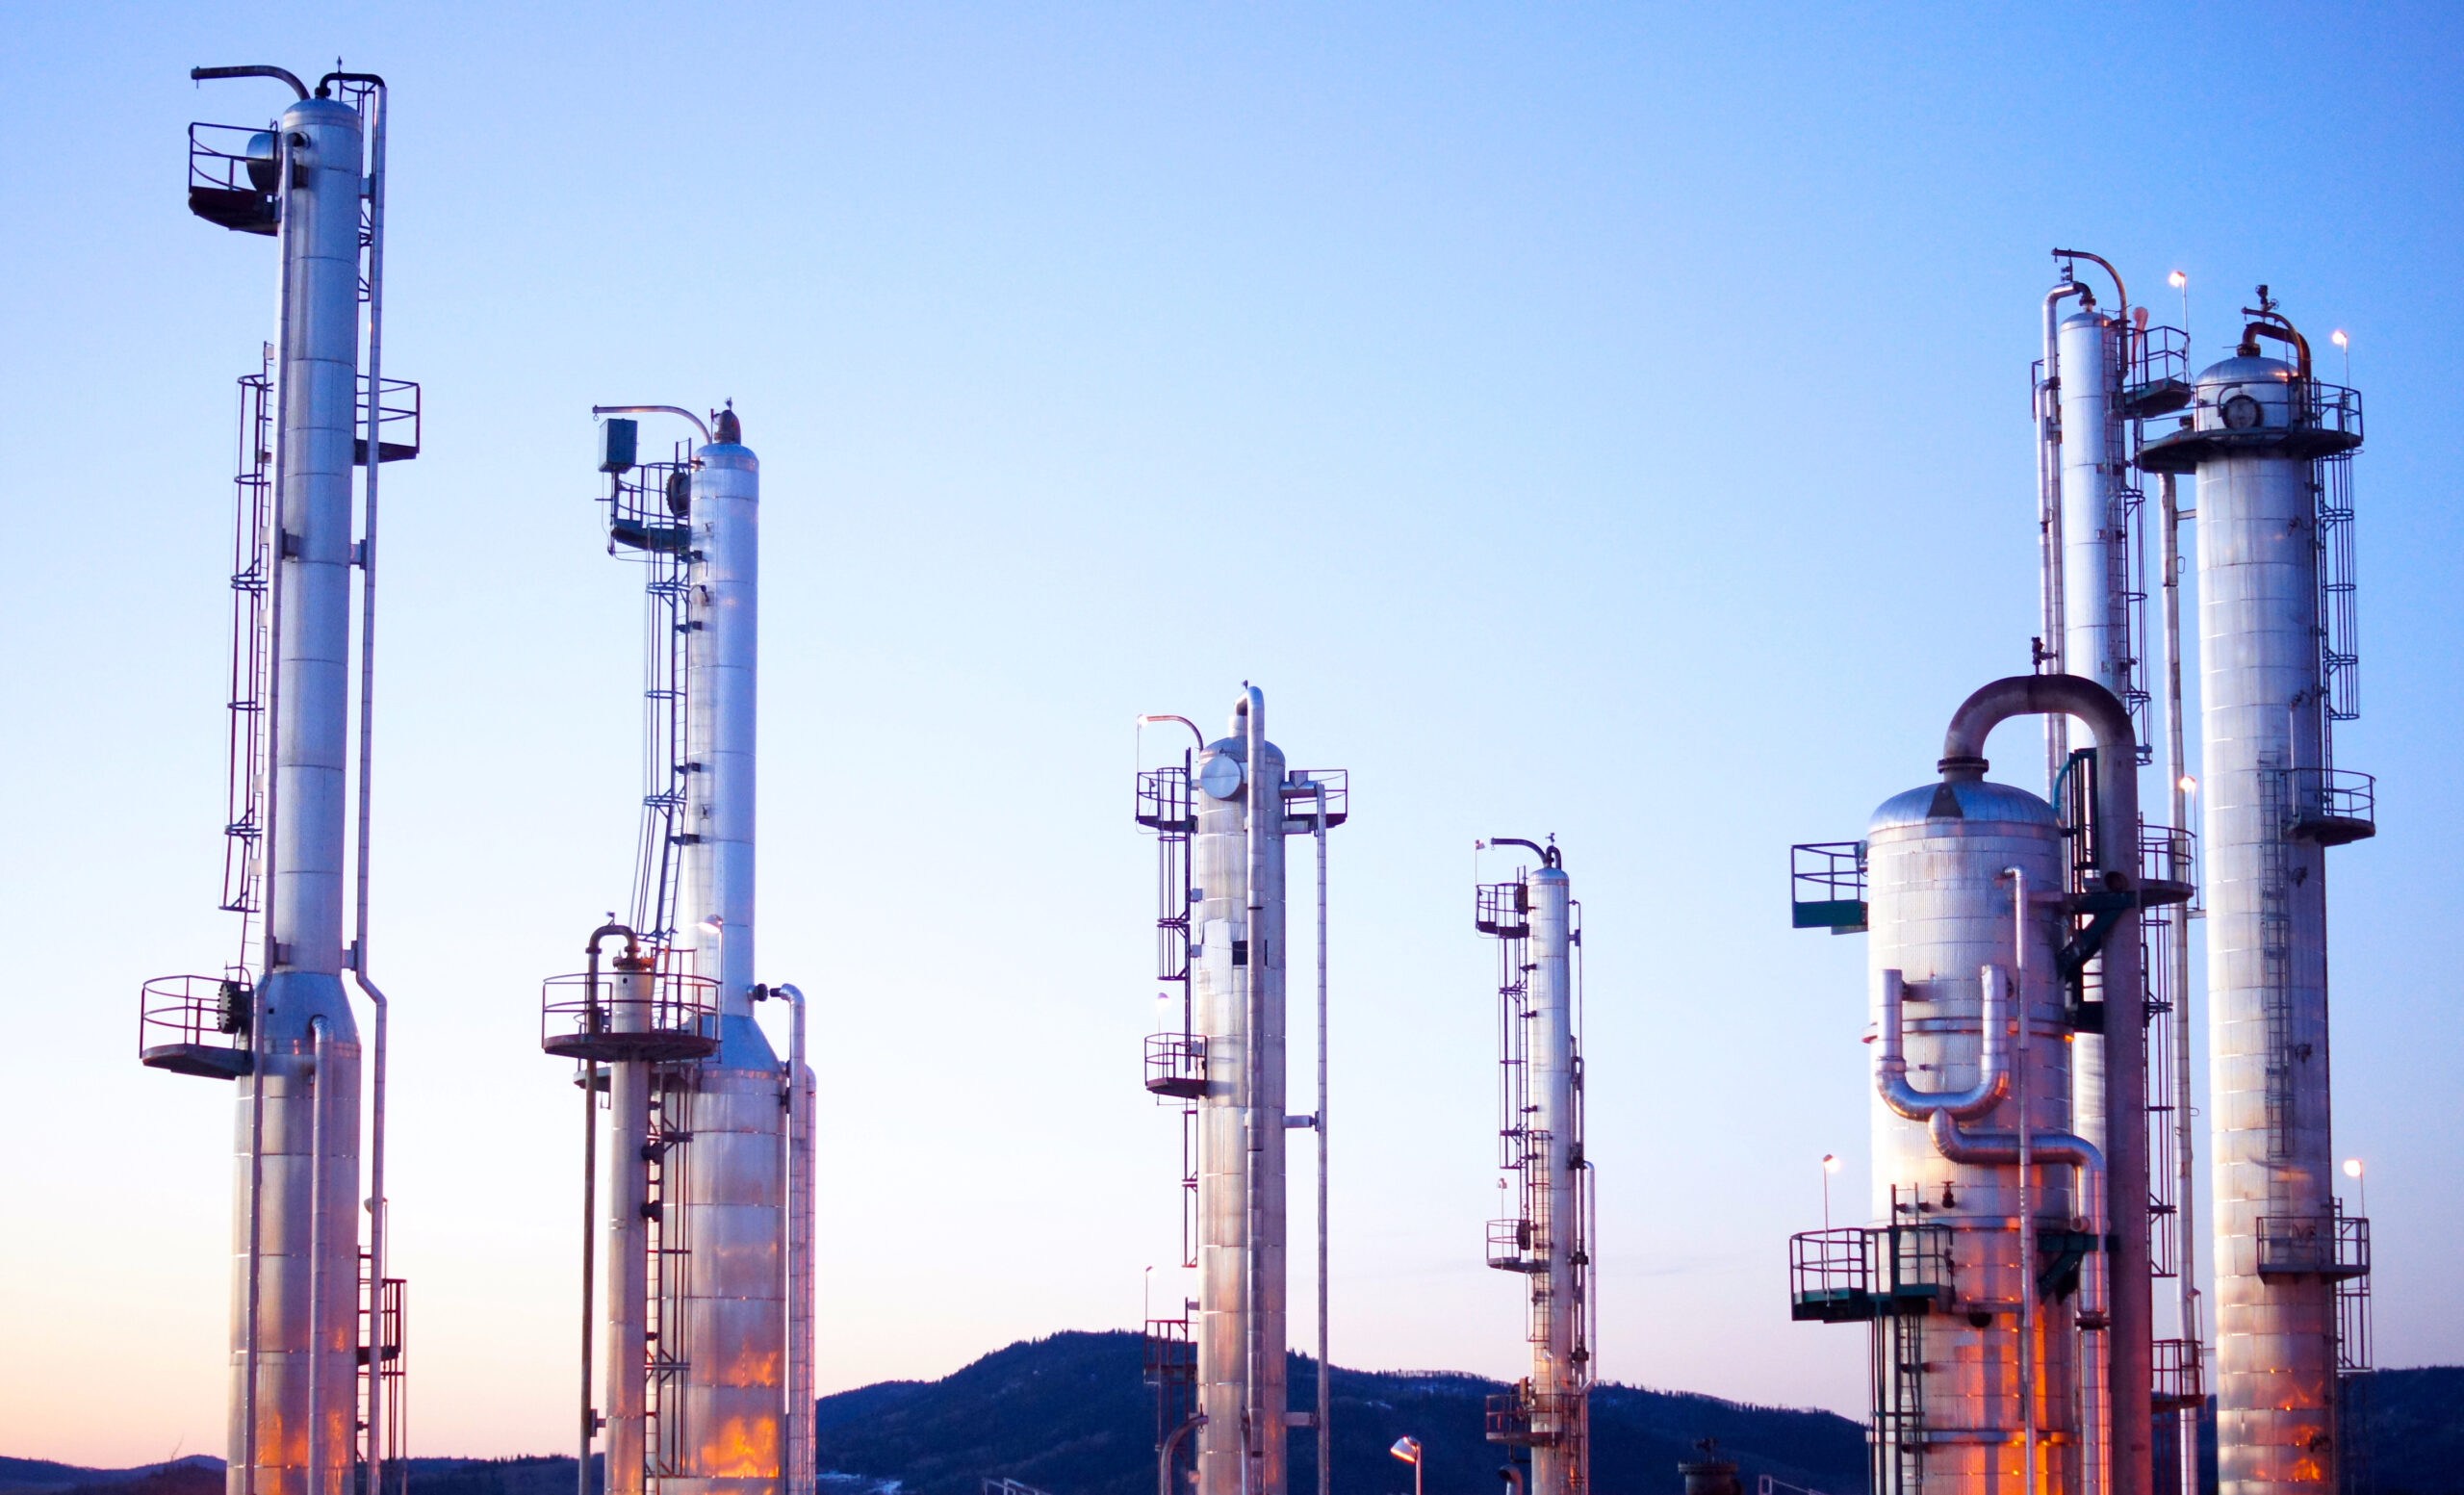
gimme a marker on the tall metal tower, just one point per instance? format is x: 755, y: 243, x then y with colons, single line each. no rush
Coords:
x: 1223, y: 817
x: 2271, y: 445
x: 315, y: 1321
x: 708, y: 1374
x: 2106, y: 371
x: 1540, y: 1135
x: 2004, y: 1270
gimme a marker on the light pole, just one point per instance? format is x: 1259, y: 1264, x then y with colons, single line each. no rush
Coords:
x: 2361, y: 1185
x: 2341, y: 341
x: 2182, y: 283
x: 1409, y: 1448
x: 1830, y: 1166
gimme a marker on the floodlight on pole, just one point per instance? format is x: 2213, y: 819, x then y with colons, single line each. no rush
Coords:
x: 1409, y: 1448
x: 1830, y: 1166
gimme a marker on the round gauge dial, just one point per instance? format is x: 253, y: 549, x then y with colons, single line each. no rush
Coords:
x: 1219, y: 775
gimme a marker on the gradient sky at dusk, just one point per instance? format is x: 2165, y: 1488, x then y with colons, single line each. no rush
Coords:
x: 1602, y: 420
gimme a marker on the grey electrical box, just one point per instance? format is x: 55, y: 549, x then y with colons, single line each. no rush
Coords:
x: 618, y: 439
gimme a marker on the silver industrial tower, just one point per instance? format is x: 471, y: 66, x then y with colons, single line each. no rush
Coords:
x: 2010, y: 1353
x: 1547, y: 1238
x: 2269, y: 444
x: 1222, y: 941
x: 315, y: 1324
x: 1986, y: 1375
x: 707, y: 1377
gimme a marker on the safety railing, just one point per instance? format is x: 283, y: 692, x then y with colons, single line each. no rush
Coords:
x: 1502, y: 909
x: 2180, y: 1376
x: 196, y: 1026
x: 1827, y: 885
x: 1533, y: 1419
x: 2330, y: 806
x: 1169, y: 1354
x: 2158, y: 379
x: 1164, y: 802
x: 234, y: 173
x: 1176, y: 1065
x: 2331, y: 1246
x: 2167, y: 863
x: 648, y: 1016
x: 2330, y: 407
x: 1301, y: 788
x: 1864, y: 1272
x: 394, y: 411
x: 1517, y: 1246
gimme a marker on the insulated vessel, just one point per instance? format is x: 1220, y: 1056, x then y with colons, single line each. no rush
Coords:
x: 307, y: 1378
x: 2269, y: 444
x: 1548, y: 1238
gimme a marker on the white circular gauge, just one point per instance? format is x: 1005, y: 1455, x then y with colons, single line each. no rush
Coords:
x: 2242, y: 413
x: 1219, y: 775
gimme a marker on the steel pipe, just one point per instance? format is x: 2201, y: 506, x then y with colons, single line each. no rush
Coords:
x: 2129, y: 1348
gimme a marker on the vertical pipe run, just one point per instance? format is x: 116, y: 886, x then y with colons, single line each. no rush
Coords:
x: 1326, y: 1400
x: 2049, y: 530
x: 2018, y: 876
x: 796, y: 1249
x: 316, y: 1329
x: 1254, y: 1119
x: 2185, y: 1126
x: 630, y: 1084
x: 376, y: 1221
x: 2129, y: 1341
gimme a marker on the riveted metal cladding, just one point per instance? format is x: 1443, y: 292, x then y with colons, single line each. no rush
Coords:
x: 1561, y: 1460
x: 1942, y: 917
x: 1238, y: 933
x: 731, y: 1209
x: 2267, y: 949
x: 305, y: 1310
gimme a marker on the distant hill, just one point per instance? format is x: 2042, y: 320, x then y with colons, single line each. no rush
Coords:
x: 198, y: 1474
x: 1071, y: 1414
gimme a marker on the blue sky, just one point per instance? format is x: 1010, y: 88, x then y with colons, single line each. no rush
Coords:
x: 1602, y: 420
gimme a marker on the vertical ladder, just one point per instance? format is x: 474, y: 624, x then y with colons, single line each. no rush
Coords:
x: 243, y: 822
x: 664, y: 1437
x: 380, y: 1354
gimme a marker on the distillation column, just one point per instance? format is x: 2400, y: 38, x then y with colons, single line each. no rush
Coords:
x: 1237, y: 976
x: 2257, y: 432
x: 305, y: 1328
x: 732, y: 1214
x: 1548, y: 1241
x: 1964, y: 995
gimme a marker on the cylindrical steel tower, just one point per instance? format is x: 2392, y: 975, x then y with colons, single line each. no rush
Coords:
x: 709, y: 1356
x: 1965, y: 996
x: 1236, y: 961
x: 2260, y: 436
x: 295, y: 1327
x: 1983, y: 1269
x: 1549, y: 1238
x: 732, y: 1208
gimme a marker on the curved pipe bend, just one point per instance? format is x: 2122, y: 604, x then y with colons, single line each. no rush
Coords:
x: 2000, y: 1149
x: 1964, y: 758
x: 253, y: 71
x: 1994, y: 1063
